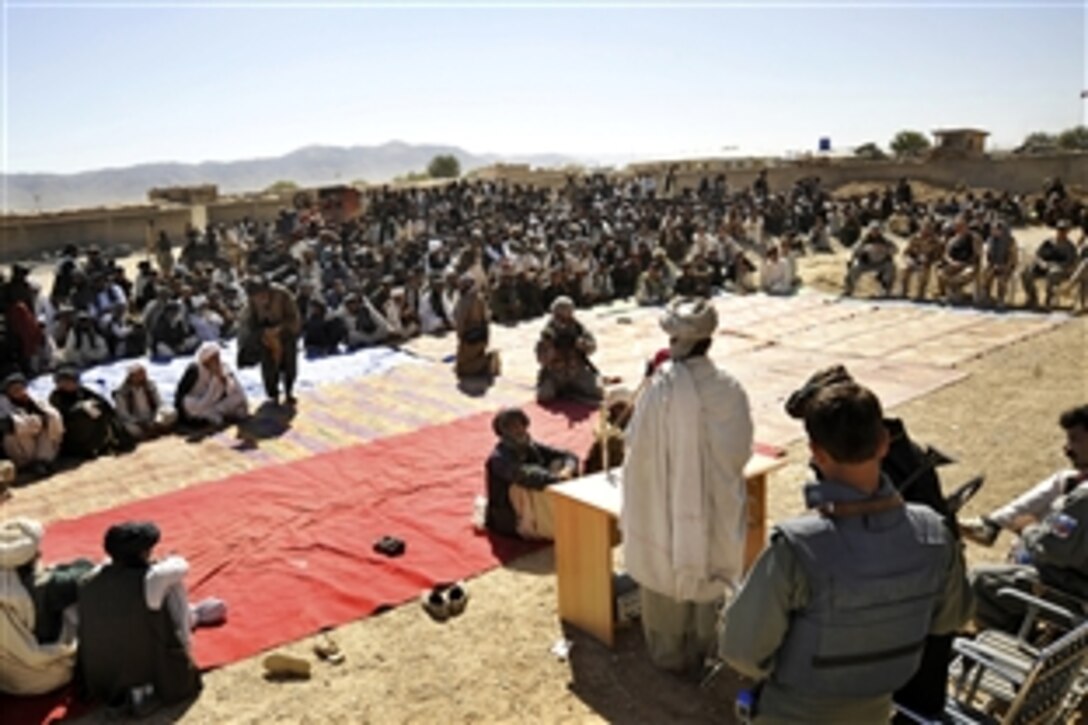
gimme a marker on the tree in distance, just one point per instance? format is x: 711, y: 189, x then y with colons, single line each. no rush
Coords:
x: 282, y: 186
x: 444, y: 166
x: 909, y: 144
x: 1040, y: 140
x: 870, y: 151
x: 1074, y: 139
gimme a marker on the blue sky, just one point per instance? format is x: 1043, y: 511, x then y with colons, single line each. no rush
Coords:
x: 116, y: 84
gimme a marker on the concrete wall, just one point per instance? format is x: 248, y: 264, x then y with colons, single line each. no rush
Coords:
x: 263, y: 209
x: 38, y: 236
x: 1020, y: 174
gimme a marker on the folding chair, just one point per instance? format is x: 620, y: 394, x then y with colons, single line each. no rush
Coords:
x: 1002, y: 678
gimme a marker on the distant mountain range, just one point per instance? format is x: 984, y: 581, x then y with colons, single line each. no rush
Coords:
x: 307, y: 166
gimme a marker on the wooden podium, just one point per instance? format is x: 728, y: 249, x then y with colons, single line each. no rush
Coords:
x: 587, y: 512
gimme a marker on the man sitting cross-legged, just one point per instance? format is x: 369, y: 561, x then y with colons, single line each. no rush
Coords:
x: 209, y: 392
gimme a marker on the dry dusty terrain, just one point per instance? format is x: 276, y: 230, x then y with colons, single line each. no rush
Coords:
x: 493, y: 663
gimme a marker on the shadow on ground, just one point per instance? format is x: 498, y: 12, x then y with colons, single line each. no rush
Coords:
x: 621, y: 685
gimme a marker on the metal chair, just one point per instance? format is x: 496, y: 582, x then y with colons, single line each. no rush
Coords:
x: 1004, y: 678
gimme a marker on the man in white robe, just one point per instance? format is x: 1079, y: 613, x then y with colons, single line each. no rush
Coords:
x: 684, y: 508
x: 209, y: 392
x: 27, y: 666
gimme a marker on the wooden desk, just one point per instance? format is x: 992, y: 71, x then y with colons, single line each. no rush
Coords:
x: 587, y: 512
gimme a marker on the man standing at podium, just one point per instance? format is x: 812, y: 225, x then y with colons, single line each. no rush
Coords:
x: 684, y: 507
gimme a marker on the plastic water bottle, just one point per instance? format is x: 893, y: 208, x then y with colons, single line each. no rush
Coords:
x: 479, y: 512
x: 745, y: 706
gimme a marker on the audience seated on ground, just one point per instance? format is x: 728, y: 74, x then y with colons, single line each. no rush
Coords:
x: 209, y: 393
x: 139, y: 405
x: 563, y: 352
x: 395, y: 270
x: 32, y: 429
x: 91, y: 426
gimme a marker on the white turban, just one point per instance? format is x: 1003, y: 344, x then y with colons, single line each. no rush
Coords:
x: 20, y: 540
x: 561, y: 302
x: 687, y: 321
x: 206, y: 352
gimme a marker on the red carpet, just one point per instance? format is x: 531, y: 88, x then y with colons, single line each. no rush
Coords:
x: 288, y: 547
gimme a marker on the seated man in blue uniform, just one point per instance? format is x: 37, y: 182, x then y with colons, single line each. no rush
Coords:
x: 518, y: 471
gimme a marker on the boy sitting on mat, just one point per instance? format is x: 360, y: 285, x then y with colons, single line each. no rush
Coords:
x: 518, y: 471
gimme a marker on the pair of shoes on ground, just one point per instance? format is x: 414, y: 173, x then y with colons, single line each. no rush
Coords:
x: 282, y: 666
x: 445, y: 601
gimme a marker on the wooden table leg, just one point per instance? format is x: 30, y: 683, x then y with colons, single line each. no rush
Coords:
x: 583, y: 565
x: 757, y: 519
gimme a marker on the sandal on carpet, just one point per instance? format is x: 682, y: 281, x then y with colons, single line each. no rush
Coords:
x: 327, y: 649
x: 210, y: 612
x: 435, y: 604
x: 283, y: 666
x: 457, y: 598
x: 391, y: 546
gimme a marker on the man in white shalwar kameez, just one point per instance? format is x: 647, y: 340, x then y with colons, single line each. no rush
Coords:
x: 684, y: 507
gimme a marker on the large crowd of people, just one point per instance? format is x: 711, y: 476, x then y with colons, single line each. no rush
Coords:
x: 398, y: 269
x: 459, y: 257
x: 873, y: 586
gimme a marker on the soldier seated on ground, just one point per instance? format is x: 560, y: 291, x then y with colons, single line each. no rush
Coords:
x: 961, y: 263
x: 563, y: 353
x: 1054, y: 263
x: 518, y: 471
x: 1051, y: 520
x: 874, y: 253
x: 922, y: 252
x: 1000, y: 259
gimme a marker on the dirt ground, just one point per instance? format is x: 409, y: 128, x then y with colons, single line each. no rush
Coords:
x: 494, y: 663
